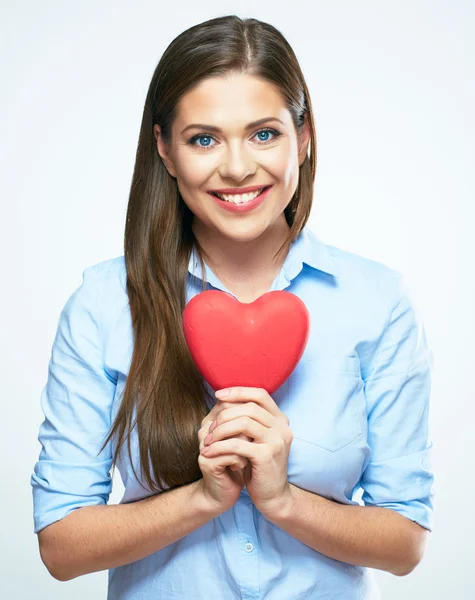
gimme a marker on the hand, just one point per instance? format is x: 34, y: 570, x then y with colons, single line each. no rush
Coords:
x: 255, y: 414
x: 210, y: 419
x: 219, y: 486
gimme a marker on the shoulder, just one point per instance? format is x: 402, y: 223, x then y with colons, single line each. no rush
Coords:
x: 366, y: 277
x: 109, y: 275
x: 102, y: 293
x: 107, y: 268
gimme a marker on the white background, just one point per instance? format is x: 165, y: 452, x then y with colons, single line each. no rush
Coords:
x: 392, y: 85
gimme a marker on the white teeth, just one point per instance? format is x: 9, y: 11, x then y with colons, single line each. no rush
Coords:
x: 239, y: 198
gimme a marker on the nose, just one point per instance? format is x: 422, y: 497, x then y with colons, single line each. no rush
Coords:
x: 237, y: 163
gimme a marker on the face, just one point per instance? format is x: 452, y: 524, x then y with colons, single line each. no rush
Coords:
x: 229, y: 153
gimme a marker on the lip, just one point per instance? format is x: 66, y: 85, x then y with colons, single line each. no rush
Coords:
x: 244, y: 190
x: 243, y: 208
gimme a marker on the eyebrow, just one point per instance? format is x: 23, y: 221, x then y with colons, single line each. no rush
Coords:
x: 218, y: 130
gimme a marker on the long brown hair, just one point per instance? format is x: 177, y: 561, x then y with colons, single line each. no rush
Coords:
x: 163, y: 385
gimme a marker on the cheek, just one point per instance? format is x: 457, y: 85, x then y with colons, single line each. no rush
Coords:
x: 191, y: 181
x: 192, y: 176
x: 193, y: 169
x: 284, y: 167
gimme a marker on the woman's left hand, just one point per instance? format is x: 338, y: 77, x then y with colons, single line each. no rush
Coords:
x: 254, y: 413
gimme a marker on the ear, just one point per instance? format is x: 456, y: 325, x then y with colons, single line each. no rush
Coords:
x: 163, y: 151
x: 303, y: 141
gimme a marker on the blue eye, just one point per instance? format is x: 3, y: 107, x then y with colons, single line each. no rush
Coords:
x: 203, y: 137
x: 207, y: 137
x: 265, y: 132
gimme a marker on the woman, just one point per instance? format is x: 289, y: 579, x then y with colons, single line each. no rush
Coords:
x: 247, y: 495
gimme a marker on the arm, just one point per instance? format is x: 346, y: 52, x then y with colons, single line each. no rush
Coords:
x: 390, y: 531
x: 367, y: 536
x: 95, y: 538
x: 77, y: 531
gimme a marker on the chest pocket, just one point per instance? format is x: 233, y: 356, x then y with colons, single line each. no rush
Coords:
x: 326, y: 403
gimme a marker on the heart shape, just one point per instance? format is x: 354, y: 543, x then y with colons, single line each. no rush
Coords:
x: 254, y: 345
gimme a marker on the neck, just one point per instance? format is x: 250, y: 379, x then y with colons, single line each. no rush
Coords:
x: 243, y: 261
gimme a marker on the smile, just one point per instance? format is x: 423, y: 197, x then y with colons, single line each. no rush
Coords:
x: 241, y: 204
x: 240, y: 198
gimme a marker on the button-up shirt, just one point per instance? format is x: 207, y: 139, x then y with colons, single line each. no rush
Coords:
x: 358, y: 405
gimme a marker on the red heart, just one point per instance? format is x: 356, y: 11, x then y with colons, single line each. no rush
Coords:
x: 253, y: 345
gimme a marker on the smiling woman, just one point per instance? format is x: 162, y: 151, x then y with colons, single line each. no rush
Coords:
x: 232, y: 149
x: 224, y: 176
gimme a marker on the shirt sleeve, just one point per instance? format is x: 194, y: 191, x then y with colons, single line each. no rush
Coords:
x: 76, y: 402
x: 397, y: 382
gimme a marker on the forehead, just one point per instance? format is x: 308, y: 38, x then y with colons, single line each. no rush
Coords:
x: 234, y: 99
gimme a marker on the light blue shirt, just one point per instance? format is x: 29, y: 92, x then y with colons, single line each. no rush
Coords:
x: 358, y: 404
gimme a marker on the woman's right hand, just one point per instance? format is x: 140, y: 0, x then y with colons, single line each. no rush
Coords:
x: 220, y: 486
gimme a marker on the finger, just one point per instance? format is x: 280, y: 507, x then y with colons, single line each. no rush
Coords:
x: 249, y: 409
x: 250, y: 450
x: 214, y: 412
x: 238, y: 467
x: 258, y: 395
x: 206, y: 423
x: 217, y: 464
x: 204, y: 431
x: 241, y: 462
x: 242, y: 425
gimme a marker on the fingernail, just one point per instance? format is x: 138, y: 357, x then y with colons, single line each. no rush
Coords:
x: 208, y: 438
x: 222, y: 393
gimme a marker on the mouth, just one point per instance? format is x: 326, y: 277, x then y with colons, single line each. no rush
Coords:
x: 241, y: 198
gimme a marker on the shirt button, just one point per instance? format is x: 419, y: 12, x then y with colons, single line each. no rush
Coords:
x: 249, y: 547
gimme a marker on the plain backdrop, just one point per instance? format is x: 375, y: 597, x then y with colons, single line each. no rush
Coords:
x: 392, y: 85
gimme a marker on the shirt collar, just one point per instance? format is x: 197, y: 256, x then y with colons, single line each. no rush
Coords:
x: 306, y: 248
